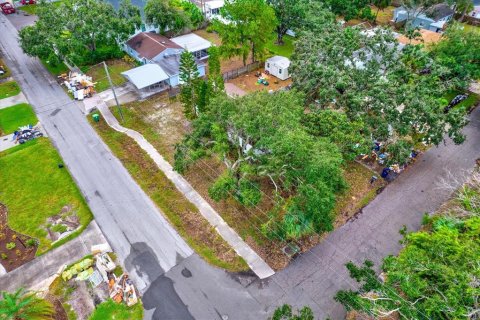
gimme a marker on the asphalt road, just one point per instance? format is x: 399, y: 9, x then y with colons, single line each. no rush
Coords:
x: 177, y: 284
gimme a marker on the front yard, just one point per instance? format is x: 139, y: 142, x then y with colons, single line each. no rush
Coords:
x: 115, y: 68
x: 163, y: 124
x: 42, y: 199
x: 15, y: 116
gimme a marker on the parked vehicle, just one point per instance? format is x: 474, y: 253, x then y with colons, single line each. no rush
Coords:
x: 26, y: 2
x: 7, y: 8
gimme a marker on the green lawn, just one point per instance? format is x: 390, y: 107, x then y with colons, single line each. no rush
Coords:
x: 115, y: 68
x: 34, y: 188
x: 118, y: 311
x: 56, y: 69
x: 469, y: 27
x: 467, y: 104
x: 13, y: 117
x: 286, y: 50
x: 9, y: 89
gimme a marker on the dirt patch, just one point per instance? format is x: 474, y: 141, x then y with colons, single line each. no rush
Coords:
x: 249, y: 82
x: 16, y: 249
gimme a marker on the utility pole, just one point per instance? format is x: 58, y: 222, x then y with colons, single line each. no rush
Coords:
x: 113, y: 90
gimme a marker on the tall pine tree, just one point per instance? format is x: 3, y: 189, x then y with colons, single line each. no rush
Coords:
x: 189, y: 78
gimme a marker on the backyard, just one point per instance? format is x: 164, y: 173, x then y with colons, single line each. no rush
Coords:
x: 162, y: 122
x: 9, y: 89
x: 15, y: 116
x: 42, y: 199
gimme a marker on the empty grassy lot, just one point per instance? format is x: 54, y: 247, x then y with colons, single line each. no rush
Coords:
x: 285, y: 50
x: 34, y: 188
x: 9, y: 89
x: 15, y: 116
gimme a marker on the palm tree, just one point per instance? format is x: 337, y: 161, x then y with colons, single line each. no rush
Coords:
x: 23, y: 305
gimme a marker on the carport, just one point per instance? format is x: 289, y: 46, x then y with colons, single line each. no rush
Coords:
x: 149, y: 77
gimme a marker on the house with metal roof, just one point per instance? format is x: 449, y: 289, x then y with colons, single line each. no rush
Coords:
x: 434, y: 19
x: 150, y: 48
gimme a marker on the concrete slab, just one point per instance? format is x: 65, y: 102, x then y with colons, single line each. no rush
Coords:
x: 11, y: 101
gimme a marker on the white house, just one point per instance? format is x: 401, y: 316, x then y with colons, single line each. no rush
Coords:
x: 278, y: 67
x: 164, y: 53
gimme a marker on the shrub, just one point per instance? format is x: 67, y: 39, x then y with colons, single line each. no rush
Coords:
x: 60, y: 228
x: 31, y: 242
x: 4, y: 256
x: 10, y: 245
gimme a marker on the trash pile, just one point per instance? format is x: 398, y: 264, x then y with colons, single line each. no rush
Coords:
x: 2, y: 70
x: 80, y: 85
x: 100, y: 269
x: 26, y: 133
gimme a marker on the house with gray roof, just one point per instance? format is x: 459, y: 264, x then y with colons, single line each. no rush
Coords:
x: 434, y: 19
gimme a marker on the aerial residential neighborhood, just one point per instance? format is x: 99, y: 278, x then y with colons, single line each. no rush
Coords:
x: 239, y: 159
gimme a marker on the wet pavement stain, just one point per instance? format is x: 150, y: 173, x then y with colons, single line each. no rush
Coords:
x: 161, y: 294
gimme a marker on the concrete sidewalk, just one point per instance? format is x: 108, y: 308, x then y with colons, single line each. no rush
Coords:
x: 42, y: 268
x: 255, y: 262
x: 11, y: 101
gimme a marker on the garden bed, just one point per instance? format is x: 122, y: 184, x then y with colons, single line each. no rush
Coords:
x: 36, y: 190
x: 163, y: 124
x: 16, y: 249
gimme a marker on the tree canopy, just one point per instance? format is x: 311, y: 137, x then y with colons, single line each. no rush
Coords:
x: 246, y: 28
x: 81, y: 31
x: 24, y: 305
x: 174, y: 16
x: 290, y: 15
x: 395, y: 92
x: 260, y: 136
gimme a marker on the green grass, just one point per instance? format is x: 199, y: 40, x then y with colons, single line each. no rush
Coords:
x: 118, y: 311
x: 35, y: 189
x: 13, y: 117
x: 467, y: 104
x: 469, y: 27
x: 286, y: 50
x: 182, y: 214
x: 56, y: 69
x: 115, y: 68
x: 9, y: 89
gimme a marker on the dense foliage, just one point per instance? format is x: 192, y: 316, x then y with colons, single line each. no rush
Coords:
x: 80, y: 31
x: 260, y: 136
x: 24, y: 305
x: 351, y: 9
x: 174, y: 16
x: 436, y: 275
x: 246, y: 27
x: 393, y: 94
x: 290, y: 15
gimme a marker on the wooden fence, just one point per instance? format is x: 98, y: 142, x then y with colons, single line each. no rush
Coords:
x: 238, y: 72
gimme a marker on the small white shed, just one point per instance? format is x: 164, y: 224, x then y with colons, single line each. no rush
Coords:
x: 278, y: 66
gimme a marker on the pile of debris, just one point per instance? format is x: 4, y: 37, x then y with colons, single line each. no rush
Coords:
x: 26, y: 133
x: 2, y: 70
x: 79, y: 84
x: 100, y: 270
